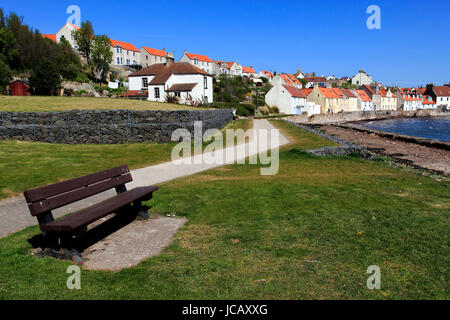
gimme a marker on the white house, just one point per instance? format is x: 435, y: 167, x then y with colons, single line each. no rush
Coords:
x: 124, y: 53
x: 266, y: 74
x: 319, y: 81
x: 248, y: 72
x: 440, y: 94
x: 361, y: 78
x: 290, y: 100
x: 151, y: 56
x: 181, y: 79
x: 200, y: 61
x: 428, y: 103
x: 364, y: 101
x: 224, y: 67
x: 66, y: 33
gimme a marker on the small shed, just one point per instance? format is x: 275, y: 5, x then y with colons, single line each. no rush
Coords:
x: 19, y: 88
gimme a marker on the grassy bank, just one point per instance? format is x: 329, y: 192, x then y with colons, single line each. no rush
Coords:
x: 35, y: 103
x: 309, y: 232
x: 26, y: 165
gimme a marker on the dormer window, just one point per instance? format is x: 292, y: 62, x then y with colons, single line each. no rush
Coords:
x: 195, y: 61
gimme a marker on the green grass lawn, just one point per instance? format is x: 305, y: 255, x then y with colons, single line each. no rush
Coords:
x: 309, y: 232
x: 36, y: 103
x: 25, y: 165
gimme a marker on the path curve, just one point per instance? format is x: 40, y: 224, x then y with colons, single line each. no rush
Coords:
x: 14, y: 214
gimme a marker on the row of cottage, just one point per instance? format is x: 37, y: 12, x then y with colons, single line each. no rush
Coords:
x: 126, y: 54
x: 191, y: 79
x: 318, y: 97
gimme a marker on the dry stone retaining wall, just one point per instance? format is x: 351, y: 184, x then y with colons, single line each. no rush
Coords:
x: 106, y: 126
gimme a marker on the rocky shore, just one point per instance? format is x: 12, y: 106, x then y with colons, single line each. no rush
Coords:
x: 431, y: 155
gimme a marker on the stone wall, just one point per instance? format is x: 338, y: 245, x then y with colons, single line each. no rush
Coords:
x: 106, y: 126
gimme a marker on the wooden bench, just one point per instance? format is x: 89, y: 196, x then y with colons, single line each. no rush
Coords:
x: 59, y: 233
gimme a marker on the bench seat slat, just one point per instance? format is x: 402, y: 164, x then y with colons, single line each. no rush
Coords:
x: 66, y: 186
x: 99, y: 210
x: 76, y: 195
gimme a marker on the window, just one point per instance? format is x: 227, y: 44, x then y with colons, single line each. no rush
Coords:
x: 128, y: 52
x: 195, y: 61
x: 128, y: 62
x: 178, y: 94
x: 156, y: 93
x: 121, y: 60
x: 144, y: 82
x: 117, y: 50
x: 134, y: 54
x: 146, y: 57
x: 118, y: 60
x: 205, y: 82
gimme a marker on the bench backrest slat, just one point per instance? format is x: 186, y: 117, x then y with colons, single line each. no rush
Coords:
x: 57, y: 195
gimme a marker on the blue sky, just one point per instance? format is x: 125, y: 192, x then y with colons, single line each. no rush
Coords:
x: 328, y: 37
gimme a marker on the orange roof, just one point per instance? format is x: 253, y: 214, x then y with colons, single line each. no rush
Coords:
x: 199, y: 57
x: 306, y: 92
x: 123, y: 45
x: 295, y: 92
x: 155, y: 52
x: 330, y: 92
x: 229, y: 64
x: 369, y: 88
x: 248, y: 70
x: 76, y: 28
x: 363, y: 95
x: 267, y: 73
x: 50, y: 36
x: 426, y: 101
x: 289, y: 78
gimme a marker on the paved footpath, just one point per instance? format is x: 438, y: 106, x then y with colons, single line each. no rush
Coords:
x: 14, y: 214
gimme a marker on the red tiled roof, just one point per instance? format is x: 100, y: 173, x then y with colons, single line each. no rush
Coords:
x: 248, y: 70
x: 199, y: 57
x: 155, y: 52
x: 307, y: 91
x: 316, y: 79
x: 123, y: 45
x: 363, y: 95
x: 182, y: 87
x: 348, y: 93
x: 442, y: 91
x: 295, y: 92
x: 50, y: 36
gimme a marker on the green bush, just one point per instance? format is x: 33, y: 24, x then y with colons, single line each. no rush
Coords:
x: 244, y: 110
x: 45, y: 79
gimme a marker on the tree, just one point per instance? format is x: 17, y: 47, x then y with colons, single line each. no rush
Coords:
x: 45, y: 79
x: 8, y: 52
x: 101, y: 57
x: 84, y: 39
x: 304, y: 82
x: 5, y: 76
